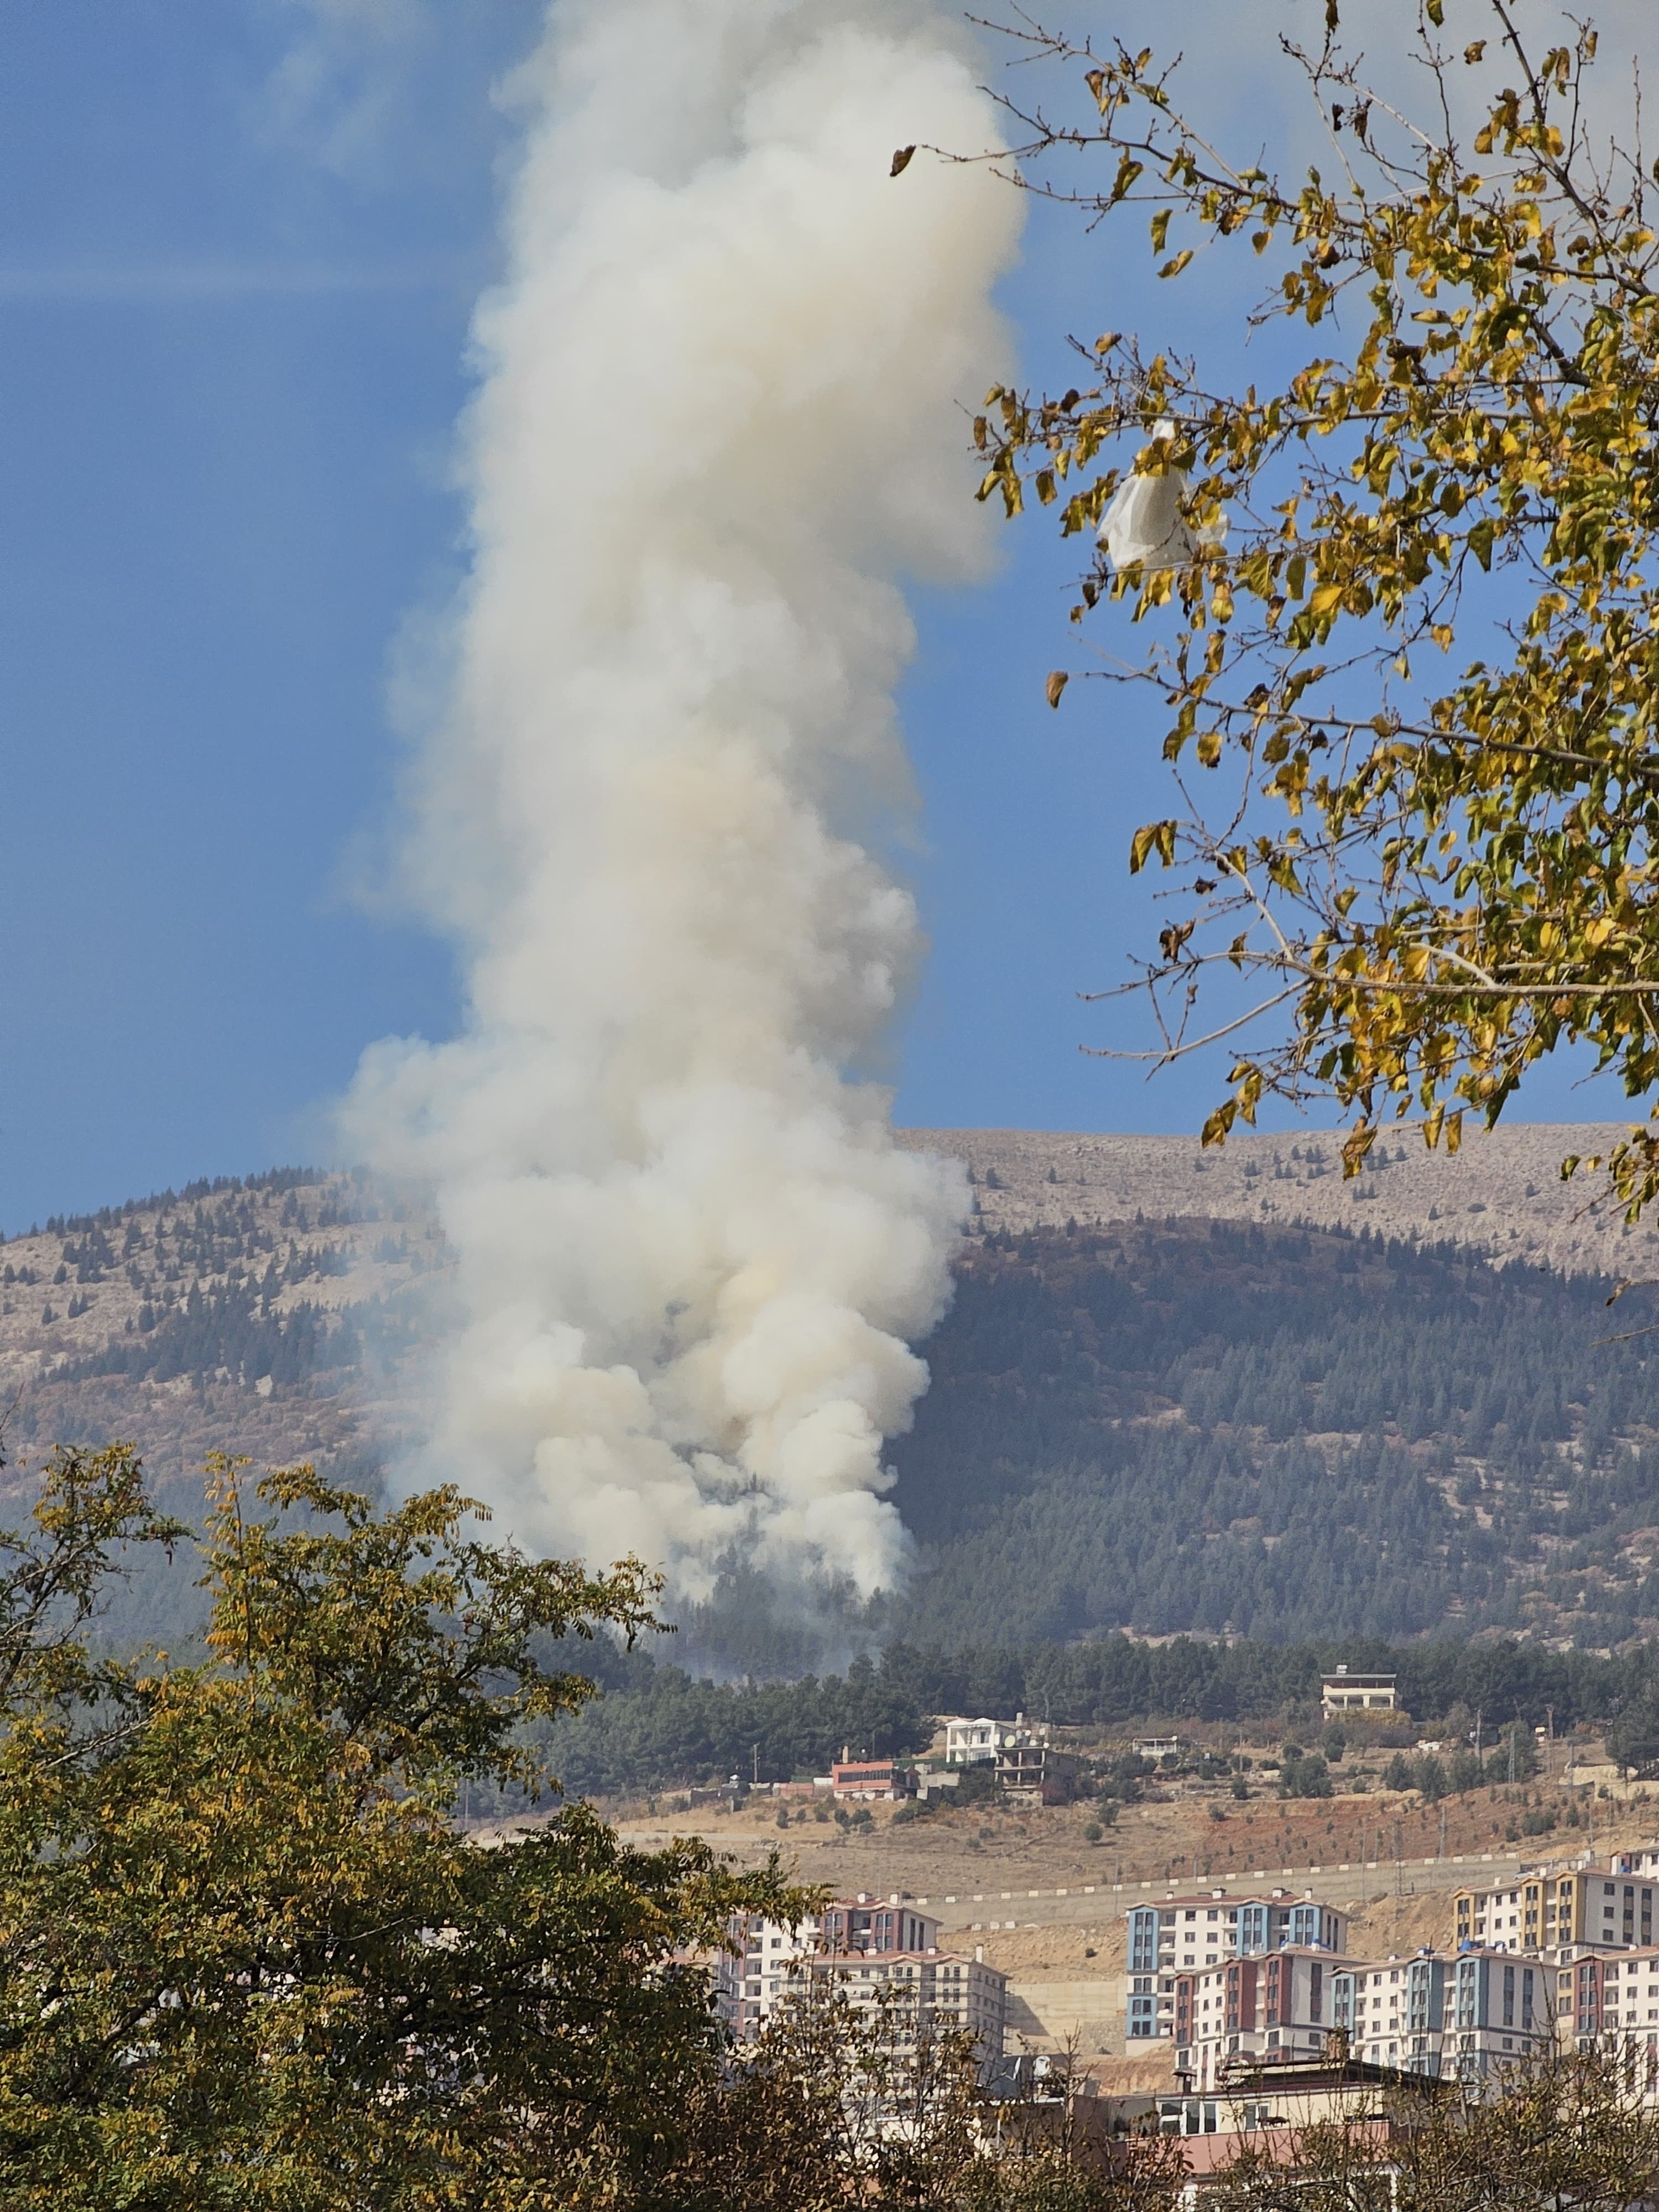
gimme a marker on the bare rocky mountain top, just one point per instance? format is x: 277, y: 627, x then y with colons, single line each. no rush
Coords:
x: 291, y: 1239
x: 1501, y: 1196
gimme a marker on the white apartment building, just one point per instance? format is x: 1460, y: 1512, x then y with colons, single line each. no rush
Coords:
x: 909, y: 1989
x: 1619, y: 1900
x: 874, y: 1951
x: 1448, y: 2016
x: 751, y: 1977
x: 1605, y: 1997
x: 1611, y: 1905
x: 1459, y: 2015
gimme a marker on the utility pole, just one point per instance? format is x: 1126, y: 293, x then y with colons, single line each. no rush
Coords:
x: 1442, y: 1827
x: 756, y: 1763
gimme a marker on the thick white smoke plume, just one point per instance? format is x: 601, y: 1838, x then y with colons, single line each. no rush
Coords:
x: 715, y: 424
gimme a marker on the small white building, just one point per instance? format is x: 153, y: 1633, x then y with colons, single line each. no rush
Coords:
x: 1347, y: 1692
x: 978, y: 1742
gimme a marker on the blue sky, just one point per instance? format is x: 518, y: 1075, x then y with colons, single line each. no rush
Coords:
x: 236, y: 276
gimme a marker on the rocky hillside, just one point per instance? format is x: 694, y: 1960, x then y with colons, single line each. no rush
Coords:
x: 1501, y: 1196
x: 271, y: 1317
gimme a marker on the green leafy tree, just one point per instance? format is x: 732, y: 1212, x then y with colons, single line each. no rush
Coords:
x: 1304, y: 1775
x: 245, y: 1958
x: 1515, y: 1758
x: 1436, y: 869
x: 1632, y: 1739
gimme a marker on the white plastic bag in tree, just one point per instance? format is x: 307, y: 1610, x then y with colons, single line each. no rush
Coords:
x: 1144, y: 523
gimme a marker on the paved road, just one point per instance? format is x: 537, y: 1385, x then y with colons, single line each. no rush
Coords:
x: 1338, y: 1885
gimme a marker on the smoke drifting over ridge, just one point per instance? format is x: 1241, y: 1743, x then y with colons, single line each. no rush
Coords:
x: 713, y: 427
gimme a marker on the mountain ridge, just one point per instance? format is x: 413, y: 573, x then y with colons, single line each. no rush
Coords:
x: 290, y: 1316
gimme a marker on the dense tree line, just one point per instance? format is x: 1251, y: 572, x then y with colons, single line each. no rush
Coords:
x: 239, y: 1331
x: 222, y: 1188
x: 1118, y: 1680
x: 657, y: 1726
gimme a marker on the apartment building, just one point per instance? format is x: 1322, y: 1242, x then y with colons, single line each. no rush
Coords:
x: 869, y: 1923
x: 752, y: 1978
x: 1523, y: 1915
x: 1583, y: 1905
x: 1602, y: 1995
x: 1280, y: 2006
x: 1181, y: 1934
x: 1454, y: 2016
x: 911, y: 1989
x: 1619, y: 1902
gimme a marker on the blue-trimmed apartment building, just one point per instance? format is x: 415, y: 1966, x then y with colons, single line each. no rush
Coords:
x: 1182, y: 1935
x: 1462, y: 2014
